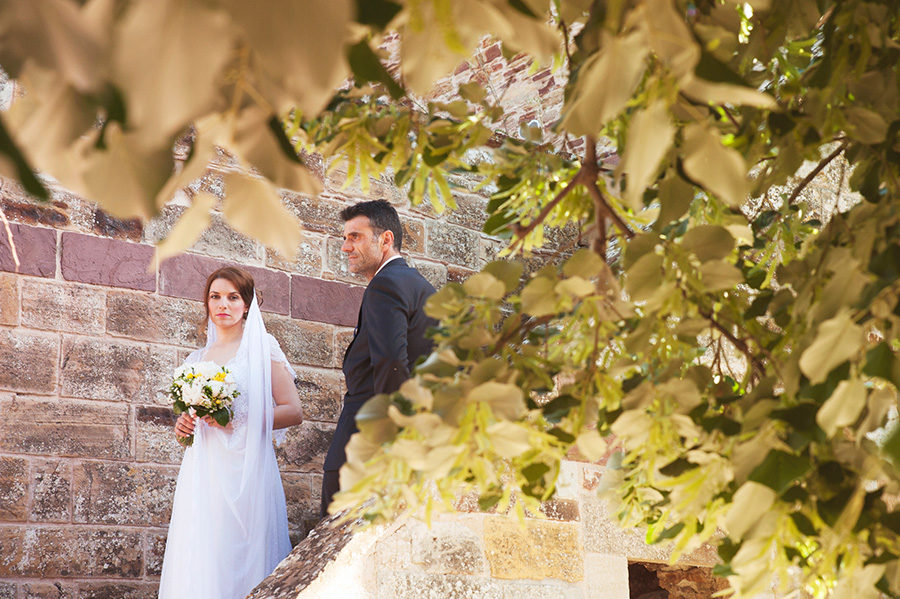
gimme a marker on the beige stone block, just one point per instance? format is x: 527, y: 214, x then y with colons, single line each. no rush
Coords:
x: 416, y: 585
x: 413, y: 236
x: 302, y: 342
x: 305, y: 447
x: 28, y: 362
x: 154, y: 551
x: 602, y: 534
x: 447, y: 548
x: 520, y: 589
x: 453, y: 244
x: 51, y: 552
x: 605, y: 576
x: 565, y: 510
x: 8, y: 590
x: 133, y: 372
x: 541, y: 549
x: 303, y: 495
x: 155, y: 435
x: 66, y: 307
x: 64, y: 428
x: 320, y: 393
x: 308, y: 260
x: 112, y: 590
x: 471, y: 211
x: 434, y: 272
x: 49, y: 590
x: 52, y: 491
x: 9, y: 301
x: 568, y: 480
x: 393, y: 550
x: 13, y: 489
x: 342, y: 339
x: 149, y: 317
x: 123, y: 494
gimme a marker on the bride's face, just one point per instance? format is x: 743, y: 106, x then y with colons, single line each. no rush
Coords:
x: 226, y: 306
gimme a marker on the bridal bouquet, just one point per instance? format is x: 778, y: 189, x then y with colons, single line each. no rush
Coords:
x: 202, y: 389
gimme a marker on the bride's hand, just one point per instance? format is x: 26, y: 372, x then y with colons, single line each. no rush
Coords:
x: 212, y: 422
x: 184, y: 426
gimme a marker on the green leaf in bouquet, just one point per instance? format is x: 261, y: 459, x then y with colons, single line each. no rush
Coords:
x: 222, y: 416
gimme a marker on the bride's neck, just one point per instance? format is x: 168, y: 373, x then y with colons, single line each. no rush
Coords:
x: 230, y: 335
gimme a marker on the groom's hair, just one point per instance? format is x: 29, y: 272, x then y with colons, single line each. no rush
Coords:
x: 382, y: 217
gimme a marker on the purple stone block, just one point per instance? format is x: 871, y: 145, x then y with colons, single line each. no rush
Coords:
x: 35, y: 247
x: 100, y: 261
x: 185, y: 275
x: 325, y: 301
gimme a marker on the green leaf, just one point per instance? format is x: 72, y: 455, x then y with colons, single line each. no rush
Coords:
x: 780, y: 470
x: 507, y: 271
x: 804, y: 524
x: 254, y: 208
x: 484, y: 285
x: 759, y: 305
x: 21, y: 169
x: 377, y: 13
x: 675, y: 197
x: 866, y: 125
x: 749, y: 505
x: 605, y: 83
x: 838, y: 339
x: 669, y: 533
x: 891, y: 446
x: 882, y: 362
x: 645, y: 277
x: 506, y: 401
x: 473, y: 92
x: 373, y: 421
x: 843, y: 407
x: 173, y: 76
x: 367, y: 67
x: 649, y: 138
x: 719, y: 275
x: 721, y: 170
x: 539, y: 297
x: 559, y: 408
x: 708, y: 242
x: 584, y: 263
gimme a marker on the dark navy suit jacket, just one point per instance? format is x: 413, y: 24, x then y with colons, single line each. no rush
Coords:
x: 389, y: 338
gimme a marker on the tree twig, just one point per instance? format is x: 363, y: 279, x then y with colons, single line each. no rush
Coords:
x: 591, y: 170
x: 739, y: 343
x: 9, y: 236
x: 813, y: 173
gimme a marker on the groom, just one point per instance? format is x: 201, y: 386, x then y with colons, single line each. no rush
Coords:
x: 390, y: 331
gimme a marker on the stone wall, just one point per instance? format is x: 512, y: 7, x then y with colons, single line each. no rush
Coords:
x: 89, y: 333
x: 91, y: 327
x: 574, y: 551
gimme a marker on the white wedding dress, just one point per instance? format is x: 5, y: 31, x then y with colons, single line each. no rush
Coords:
x: 229, y: 523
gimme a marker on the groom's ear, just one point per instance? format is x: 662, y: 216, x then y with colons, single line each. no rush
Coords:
x: 388, y: 238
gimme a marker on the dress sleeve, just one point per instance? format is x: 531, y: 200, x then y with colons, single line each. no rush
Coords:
x: 278, y: 436
x: 278, y: 355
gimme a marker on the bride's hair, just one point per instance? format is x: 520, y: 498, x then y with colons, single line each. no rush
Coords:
x: 241, y: 280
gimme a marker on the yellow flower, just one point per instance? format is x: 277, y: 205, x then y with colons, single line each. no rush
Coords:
x: 220, y: 376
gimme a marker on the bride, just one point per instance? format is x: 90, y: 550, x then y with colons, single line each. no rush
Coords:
x: 229, y: 523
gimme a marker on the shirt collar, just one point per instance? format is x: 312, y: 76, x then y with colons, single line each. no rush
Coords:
x: 385, y: 263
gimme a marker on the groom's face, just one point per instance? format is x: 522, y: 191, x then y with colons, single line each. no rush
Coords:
x: 365, y: 250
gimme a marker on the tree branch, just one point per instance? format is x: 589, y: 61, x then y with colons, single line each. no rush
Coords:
x: 812, y: 174
x: 591, y: 171
x: 739, y: 343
